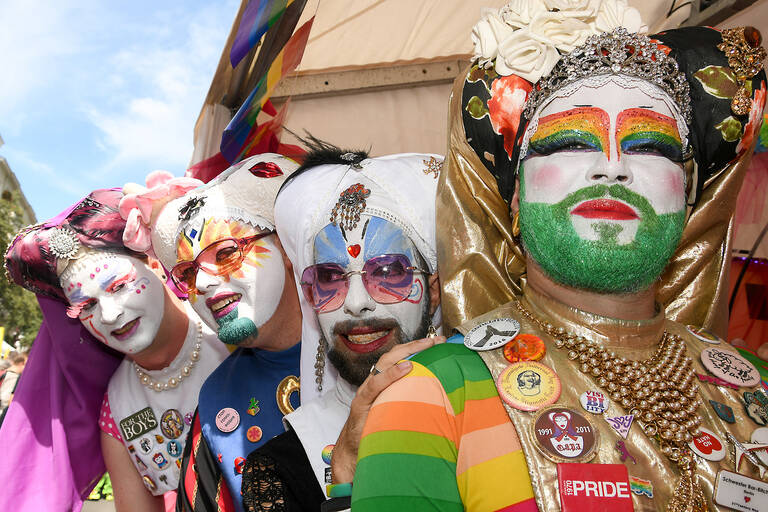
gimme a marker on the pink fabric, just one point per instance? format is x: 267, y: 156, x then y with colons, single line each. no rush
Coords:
x: 106, y: 422
x: 138, y: 209
x: 169, y: 500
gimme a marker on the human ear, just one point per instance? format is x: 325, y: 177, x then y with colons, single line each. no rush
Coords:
x: 434, y: 292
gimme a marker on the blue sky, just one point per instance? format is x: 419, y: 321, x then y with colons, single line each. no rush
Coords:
x: 95, y: 94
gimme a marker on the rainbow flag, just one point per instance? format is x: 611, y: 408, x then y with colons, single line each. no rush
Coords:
x: 238, y: 133
x: 259, y: 15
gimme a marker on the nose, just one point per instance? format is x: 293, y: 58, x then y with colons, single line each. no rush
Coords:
x: 358, y: 301
x: 610, y: 172
x: 205, y: 282
x: 110, y: 310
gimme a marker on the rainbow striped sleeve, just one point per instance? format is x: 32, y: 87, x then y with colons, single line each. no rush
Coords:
x: 440, y: 439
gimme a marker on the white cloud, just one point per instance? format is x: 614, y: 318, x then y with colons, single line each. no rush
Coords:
x: 37, y: 172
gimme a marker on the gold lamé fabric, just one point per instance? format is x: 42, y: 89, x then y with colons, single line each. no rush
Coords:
x: 634, y: 340
x: 481, y: 264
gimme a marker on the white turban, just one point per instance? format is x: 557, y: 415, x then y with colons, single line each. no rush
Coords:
x: 403, y: 189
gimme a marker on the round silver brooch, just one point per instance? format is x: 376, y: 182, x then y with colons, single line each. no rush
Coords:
x: 63, y: 243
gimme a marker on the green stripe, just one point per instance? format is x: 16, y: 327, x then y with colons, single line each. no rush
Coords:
x: 471, y: 391
x: 412, y: 443
x: 441, y: 351
x: 405, y: 504
x: 405, y: 476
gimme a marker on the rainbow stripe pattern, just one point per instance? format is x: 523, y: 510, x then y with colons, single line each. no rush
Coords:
x: 586, y: 127
x: 258, y: 17
x: 237, y: 135
x: 440, y: 439
x: 641, y: 130
x: 641, y: 487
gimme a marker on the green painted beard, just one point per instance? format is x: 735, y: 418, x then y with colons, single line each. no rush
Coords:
x: 600, y: 265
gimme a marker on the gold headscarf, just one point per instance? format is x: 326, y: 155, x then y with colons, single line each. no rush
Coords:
x: 481, y: 265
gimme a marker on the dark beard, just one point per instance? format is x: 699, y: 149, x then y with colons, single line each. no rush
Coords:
x: 354, y: 368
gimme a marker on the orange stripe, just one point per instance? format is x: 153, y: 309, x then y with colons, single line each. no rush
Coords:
x: 486, y: 444
x: 413, y: 417
x: 480, y: 414
x: 422, y: 386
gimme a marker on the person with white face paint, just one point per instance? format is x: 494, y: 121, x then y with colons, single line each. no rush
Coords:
x: 219, y: 243
x: 591, y: 180
x: 120, y: 298
x: 360, y: 233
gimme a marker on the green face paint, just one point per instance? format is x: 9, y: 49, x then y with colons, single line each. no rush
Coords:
x: 603, y: 264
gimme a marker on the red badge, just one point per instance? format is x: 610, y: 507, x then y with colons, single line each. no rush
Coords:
x: 594, y: 487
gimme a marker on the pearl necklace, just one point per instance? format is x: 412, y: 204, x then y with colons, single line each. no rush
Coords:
x: 661, y: 392
x: 174, y: 381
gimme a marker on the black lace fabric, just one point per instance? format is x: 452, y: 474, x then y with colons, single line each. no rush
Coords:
x: 263, y: 490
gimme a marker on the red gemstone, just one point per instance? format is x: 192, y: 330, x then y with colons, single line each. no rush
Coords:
x: 266, y: 170
x: 752, y: 36
x: 353, y: 250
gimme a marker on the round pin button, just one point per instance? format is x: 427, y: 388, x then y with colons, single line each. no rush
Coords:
x: 730, y: 366
x: 760, y: 436
x: 492, y: 334
x: 594, y: 401
x: 254, y: 434
x: 703, y: 334
x: 524, y: 347
x: 708, y: 445
x: 227, y: 419
x: 528, y: 385
x: 564, y: 435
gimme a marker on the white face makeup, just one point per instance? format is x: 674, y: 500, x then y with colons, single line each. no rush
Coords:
x: 239, y: 301
x: 362, y: 329
x: 627, y: 138
x: 117, y: 298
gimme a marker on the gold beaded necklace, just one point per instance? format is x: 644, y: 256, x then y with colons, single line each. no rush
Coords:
x: 661, y: 392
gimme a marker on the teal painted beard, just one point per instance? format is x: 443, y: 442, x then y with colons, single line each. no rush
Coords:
x: 599, y: 265
x: 234, y: 330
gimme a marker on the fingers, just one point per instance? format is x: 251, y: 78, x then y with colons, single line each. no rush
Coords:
x: 375, y: 384
x: 404, y: 350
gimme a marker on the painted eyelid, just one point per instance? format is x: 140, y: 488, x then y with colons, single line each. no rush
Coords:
x: 560, y: 140
x: 127, y: 278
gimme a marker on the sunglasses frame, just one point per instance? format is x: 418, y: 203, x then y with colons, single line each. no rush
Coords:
x: 242, y: 243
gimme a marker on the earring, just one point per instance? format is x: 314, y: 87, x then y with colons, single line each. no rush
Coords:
x: 320, y: 364
x: 516, y: 224
x: 163, y: 277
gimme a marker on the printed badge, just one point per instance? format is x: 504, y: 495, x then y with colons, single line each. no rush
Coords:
x: 254, y: 434
x: 641, y: 487
x: 756, y: 405
x: 708, y: 446
x: 173, y: 448
x: 723, y: 411
x: 525, y: 347
x: 739, y: 492
x: 703, y: 334
x: 564, y: 435
x: 145, y: 445
x: 227, y: 419
x: 528, y: 385
x: 492, y: 334
x: 172, y: 424
x: 138, y: 424
x: 594, y: 402
x: 621, y: 424
x: 730, y: 366
x: 598, y: 487
x: 159, y: 460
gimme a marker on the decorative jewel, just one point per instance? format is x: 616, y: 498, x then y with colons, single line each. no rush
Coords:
x: 641, y: 487
x: 63, y: 243
x: 624, y: 454
x: 661, y: 392
x: 611, y: 53
x: 621, y: 424
x: 434, y: 166
x: 285, y: 389
x: 191, y: 207
x: 723, y: 411
x: 741, y: 450
x: 564, y: 435
x: 354, y: 250
x: 745, y: 57
x: 354, y: 159
x: 320, y: 364
x: 253, y: 407
x: 350, y: 205
x: 174, y: 381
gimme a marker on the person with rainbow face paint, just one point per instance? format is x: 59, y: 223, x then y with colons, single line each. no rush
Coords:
x: 219, y: 244
x: 577, y: 201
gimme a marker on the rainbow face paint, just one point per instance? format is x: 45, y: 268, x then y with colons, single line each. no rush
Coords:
x: 603, y: 217
x: 641, y: 131
x: 235, y: 304
x: 117, y: 298
x: 577, y: 129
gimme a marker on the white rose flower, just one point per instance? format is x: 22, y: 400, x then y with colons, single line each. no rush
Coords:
x: 519, y: 13
x: 585, y: 8
x: 617, y: 13
x: 564, y: 30
x: 486, y: 35
x: 525, y: 55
